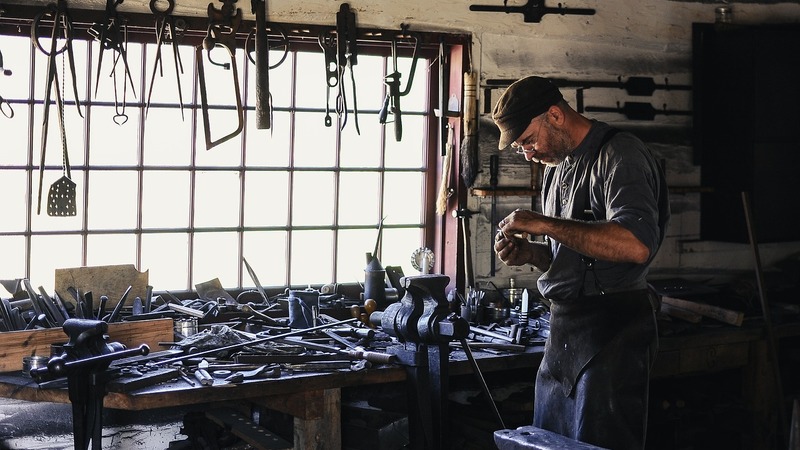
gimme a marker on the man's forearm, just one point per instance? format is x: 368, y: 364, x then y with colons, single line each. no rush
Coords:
x: 606, y: 241
x: 540, y: 255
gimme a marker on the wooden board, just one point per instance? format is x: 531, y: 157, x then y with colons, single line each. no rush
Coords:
x: 714, y: 312
x: 14, y: 345
x: 112, y: 281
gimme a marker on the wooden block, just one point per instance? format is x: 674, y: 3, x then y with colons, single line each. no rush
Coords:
x: 14, y: 345
x: 111, y: 281
x: 680, y: 313
x: 728, y: 316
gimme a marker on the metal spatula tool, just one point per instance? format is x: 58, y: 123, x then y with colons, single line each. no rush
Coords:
x: 61, y: 198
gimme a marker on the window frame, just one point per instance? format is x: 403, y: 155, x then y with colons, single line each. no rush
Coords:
x: 299, y: 38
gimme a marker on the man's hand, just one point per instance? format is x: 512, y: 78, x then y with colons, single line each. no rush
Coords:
x: 513, y: 251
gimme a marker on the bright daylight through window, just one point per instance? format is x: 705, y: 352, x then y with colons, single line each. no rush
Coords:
x: 300, y: 201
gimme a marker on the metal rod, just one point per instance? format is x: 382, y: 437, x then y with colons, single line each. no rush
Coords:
x: 482, y: 381
x: 773, y: 352
x: 255, y: 341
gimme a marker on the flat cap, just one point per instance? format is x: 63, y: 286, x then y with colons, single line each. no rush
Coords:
x: 525, y: 99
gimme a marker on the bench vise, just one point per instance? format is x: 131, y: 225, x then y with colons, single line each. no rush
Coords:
x: 424, y: 325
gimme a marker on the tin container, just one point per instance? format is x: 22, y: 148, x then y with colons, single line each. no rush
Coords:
x: 33, y: 362
x: 186, y: 326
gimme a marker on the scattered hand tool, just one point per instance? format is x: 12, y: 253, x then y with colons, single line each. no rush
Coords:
x: 61, y: 199
x: 391, y: 102
x: 255, y: 341
x: 533, y: 10
x: 353, y: 353
x: 265, y: 371
x: 167, y: 30
x: 223, y: 24
x: 115, y: 313
x: 259, y: 287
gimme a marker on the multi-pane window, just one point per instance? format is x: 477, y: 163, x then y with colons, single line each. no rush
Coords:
x: 300, y: 201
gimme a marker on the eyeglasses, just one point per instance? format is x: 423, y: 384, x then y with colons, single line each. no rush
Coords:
x: 529, y: 141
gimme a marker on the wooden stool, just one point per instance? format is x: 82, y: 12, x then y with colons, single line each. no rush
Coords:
x: 532, y: 438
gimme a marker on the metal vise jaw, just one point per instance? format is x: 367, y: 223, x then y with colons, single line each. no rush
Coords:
x: 423, y: 315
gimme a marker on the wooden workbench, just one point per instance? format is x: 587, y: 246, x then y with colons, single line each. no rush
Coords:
x: 313, y: 399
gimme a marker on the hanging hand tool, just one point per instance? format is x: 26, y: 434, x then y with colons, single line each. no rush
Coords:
x: 263, y: 103
x: 328, y: 47
x: 638, y: 110
x: 533, y: 10
x: 464, y: 215
x: 5, y: 106
x: 109, y: 35
x: 391, y: 103
x: 347, y: 57
x: 61, y: 201
x: 493, y: 172
x: 167, y: 30
x: 223, y: 24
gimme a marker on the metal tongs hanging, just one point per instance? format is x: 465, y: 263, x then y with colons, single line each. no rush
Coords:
x: 391, y: 103
x: 110, y: 35
x: 222, y: 27
x: 62, y: 28
x: 167, y: 30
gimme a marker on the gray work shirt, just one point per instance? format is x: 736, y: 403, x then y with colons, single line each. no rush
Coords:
x: 624, y: 184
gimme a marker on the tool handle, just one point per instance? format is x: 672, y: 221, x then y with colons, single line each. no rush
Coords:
x: 494, y: 161
x: 377, y: 357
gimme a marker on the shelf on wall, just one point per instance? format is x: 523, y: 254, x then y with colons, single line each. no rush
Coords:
x: 508, y: 191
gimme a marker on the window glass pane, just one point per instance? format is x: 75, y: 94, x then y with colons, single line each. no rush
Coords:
x: 15, y: 147
x: 53, y: 148
x: 112, y: 199
x: 220, y: 85
x: 312, y: 198
x: 402, y: 197
x: 265, y: 251
x: 165, y: 199
x: 13, y: 185
x: 110, y: 249
x: 417, y: 97
x: 163, y: 89
x: 409, y: 152
x: 113, y: 144
x: 216, y: 255
x: 268, y: 147
x: 17, y: 58
x: 312, y: 257
x: 397, y: 246
x: 351, y: 259
x: 12, y: 257
x: 359, y: 198
x: 314, y: 143
x: 369, y: 84
x: 167, y: 139
x: 79, y: 49
x: 362, y: 150
x: 312, y: 88
x: 43, y: 222
x: 222, y: 123
x: 166, y: 256
x: 266, y: 198
x: 217, y: 199
x: 51, y: 252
